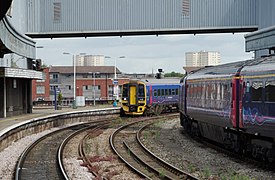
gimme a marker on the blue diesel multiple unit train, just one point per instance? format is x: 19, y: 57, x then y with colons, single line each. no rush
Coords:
x: 233, y: 104
x: 149, y: 96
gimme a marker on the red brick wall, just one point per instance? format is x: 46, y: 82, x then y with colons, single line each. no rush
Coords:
x: 46, y: 84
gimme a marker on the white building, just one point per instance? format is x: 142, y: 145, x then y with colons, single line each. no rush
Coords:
x: 202, y: 58
x: 89, y: 60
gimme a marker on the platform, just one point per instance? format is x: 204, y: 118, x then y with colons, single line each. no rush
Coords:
x: 40, y: 112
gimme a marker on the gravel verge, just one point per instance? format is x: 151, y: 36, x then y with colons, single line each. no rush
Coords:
x: 169, y: 141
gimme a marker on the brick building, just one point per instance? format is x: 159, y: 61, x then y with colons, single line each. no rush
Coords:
x: 61, y: 78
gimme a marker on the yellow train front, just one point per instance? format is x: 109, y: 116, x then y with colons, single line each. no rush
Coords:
x: 133, y: 99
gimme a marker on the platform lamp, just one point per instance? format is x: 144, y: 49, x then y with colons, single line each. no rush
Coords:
x: 115, y: 81
x: 94, y: 73
x: 74, y: 101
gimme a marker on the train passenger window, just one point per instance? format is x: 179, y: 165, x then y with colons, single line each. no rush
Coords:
x: 159, y: 94
x: 173, y: 91
x: 269, y: 91
x: 162, y: 92
x: 155, y: 92
x: 256, y: 91
x: 194, y: 90
x: 141, y: 90
x: 170, y: 92
x: 218, y: 92
x: 177, y: 91
x: 208, y: 91
x: 166, y: 92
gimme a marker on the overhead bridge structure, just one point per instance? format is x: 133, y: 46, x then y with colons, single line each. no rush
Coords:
x: 84, y: 18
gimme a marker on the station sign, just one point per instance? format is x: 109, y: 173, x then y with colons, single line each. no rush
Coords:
x: 115, y: 81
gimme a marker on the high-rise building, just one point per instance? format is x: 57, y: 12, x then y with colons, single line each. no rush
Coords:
x: 89, y: 60
x: 202, y: 58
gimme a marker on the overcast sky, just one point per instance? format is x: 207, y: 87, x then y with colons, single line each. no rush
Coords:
x: 144, y: 53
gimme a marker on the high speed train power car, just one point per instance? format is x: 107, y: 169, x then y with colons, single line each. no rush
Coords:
x: 151, y: 96
x: 234, y: 105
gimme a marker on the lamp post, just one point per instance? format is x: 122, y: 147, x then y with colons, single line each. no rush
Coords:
x: 94, y: 73
x: 74, y: 102
x: 115, y: 81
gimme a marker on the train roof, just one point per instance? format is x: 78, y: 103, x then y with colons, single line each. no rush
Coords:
x: 227, y: 70
x: 162, y: 81
x: 263, y: 64
x: 223, y: 70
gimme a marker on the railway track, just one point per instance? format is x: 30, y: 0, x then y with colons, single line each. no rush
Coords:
x: 43, y: 158
x: 126, y: 143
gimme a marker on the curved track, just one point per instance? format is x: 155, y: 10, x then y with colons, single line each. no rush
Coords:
x: 126, y: 144
x: 42, y: 159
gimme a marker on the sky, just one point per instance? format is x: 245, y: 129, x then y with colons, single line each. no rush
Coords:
x: 144, y: 54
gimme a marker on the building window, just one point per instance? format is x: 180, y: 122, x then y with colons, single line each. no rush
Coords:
x: 55, y: 76
x: 69, y: 87
x: 40, y: 89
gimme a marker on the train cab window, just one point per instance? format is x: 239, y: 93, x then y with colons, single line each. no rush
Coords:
x: 125, y: 90
x: 141, y: 90
x: 256, y: 91
x: 269, y: 91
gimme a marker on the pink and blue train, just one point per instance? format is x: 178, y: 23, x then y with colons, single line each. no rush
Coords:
x: 150, y: 96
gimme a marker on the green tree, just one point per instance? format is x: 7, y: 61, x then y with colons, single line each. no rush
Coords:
x: 173, y: 74
x: 59, y: 98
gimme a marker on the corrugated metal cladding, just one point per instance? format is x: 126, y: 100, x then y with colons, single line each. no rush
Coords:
x: 265, y: 37
x: 266, y: 13
x: 53, y: 16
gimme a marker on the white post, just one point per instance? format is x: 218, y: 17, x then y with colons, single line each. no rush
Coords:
x: 74, y: 103
x: 115, y: 85
x: 94, y: 87
x: 5, y: 98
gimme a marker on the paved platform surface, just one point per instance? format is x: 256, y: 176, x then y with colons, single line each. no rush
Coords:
x: 42, y: 111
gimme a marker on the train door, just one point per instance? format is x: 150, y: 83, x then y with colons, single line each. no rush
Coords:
x: 269, y: 98
x: 133, y: 95
x: 253, y: 104
x: 235, y: 86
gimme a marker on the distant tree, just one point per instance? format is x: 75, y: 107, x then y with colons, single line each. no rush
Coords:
x: 44, y: 65
x: 173, y: 74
